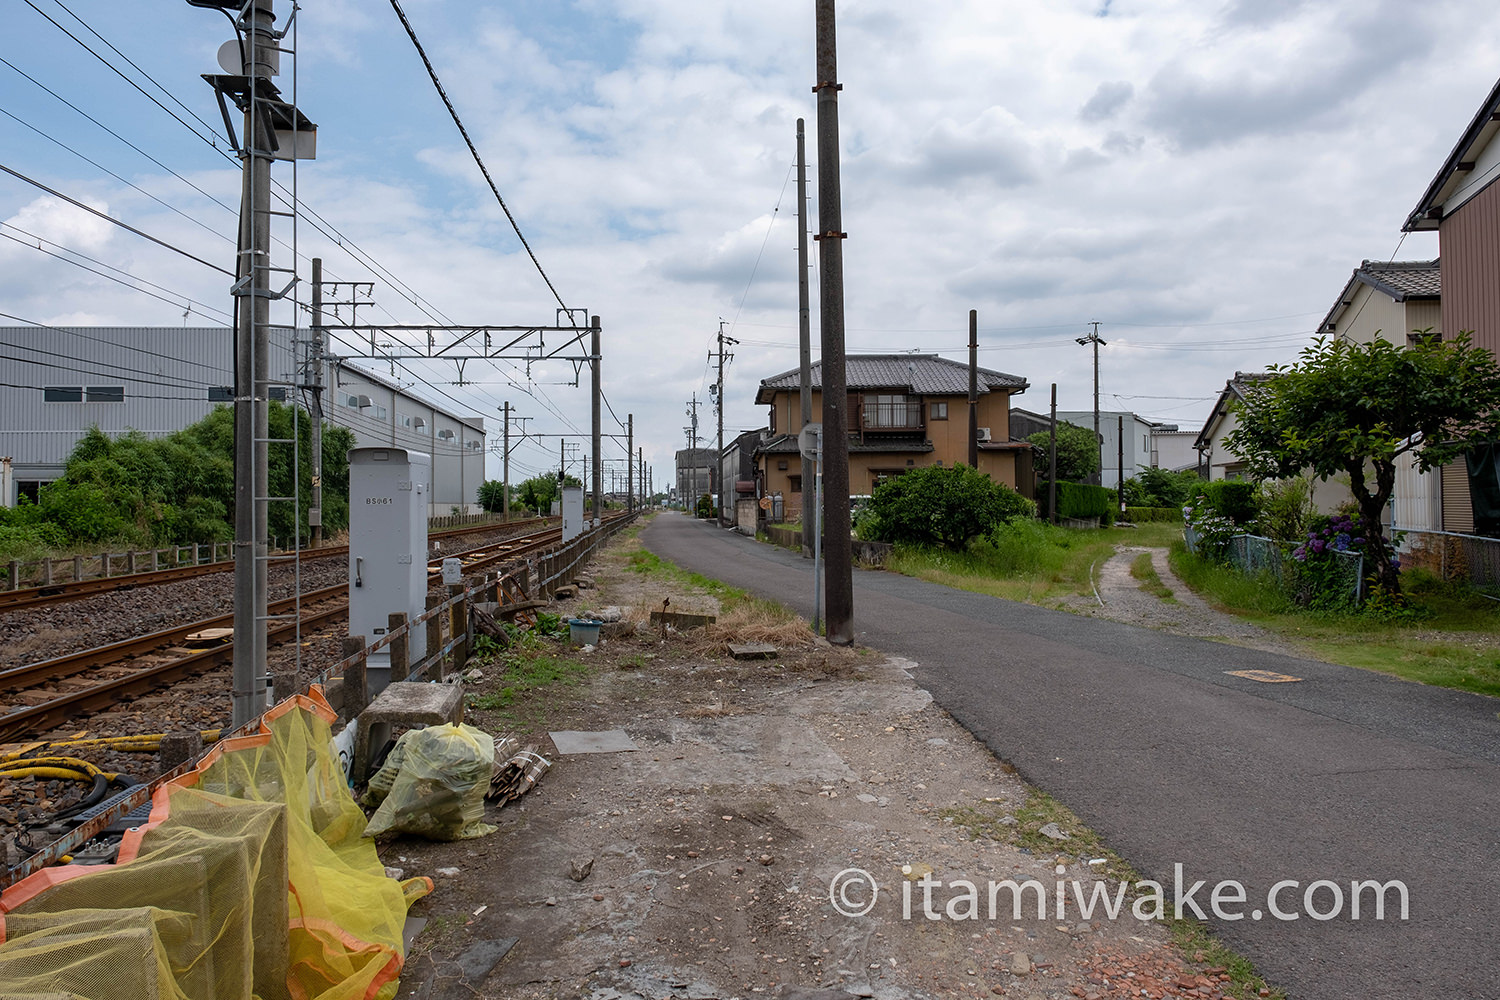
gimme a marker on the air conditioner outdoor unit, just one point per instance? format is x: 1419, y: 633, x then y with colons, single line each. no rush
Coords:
x: 984, y: 433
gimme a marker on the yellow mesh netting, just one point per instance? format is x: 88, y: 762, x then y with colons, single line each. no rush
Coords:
x: 251, y: 879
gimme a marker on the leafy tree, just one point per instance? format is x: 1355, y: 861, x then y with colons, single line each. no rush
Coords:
x: 1353, y: 408
x: 1077, y: 453
x: 538, y: 492
x: 492, y: 495
x: 1153, y: 487
x: 943, y: 506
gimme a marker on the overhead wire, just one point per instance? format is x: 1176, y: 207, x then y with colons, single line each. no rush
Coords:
x: 190, y: 302
x: 453, y: 113
x: 100, y: 340
x: 109, y: 218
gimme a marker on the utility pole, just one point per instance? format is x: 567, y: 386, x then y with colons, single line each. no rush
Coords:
x: 718, y: 392
x: 692, y: 433
x: 629, y: 465
x: 974, y: 389
x: 1120, y: 472
x: 835, y: 466
x: 804, y: 342
x: 315, y: 404
x: 598, y: 392
x: 505, y: 467
x: 1093, y: 338
x: 252, y: 291
x: 1052, y: 462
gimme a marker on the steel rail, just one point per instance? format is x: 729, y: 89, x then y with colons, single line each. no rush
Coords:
x: 72, y: 590
x: 108, y: 693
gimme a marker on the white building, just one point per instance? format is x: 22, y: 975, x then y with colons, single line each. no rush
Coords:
x: 57, y: 382
x: 1137, y: 450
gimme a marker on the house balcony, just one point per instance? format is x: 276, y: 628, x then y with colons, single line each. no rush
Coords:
x: 891, y: 417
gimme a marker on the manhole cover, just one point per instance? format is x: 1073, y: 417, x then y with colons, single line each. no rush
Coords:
x: 1264, y: 676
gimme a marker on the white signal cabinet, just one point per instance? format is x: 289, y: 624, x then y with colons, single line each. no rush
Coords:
x: 572, y: 512
x: 388, y: 494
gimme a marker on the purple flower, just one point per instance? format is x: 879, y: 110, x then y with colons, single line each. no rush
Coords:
x: 1318, y: 545
x: 1359, y: 541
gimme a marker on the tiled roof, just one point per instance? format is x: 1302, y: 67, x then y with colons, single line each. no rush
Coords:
x: 923, y: 374
x: 1403, y: 279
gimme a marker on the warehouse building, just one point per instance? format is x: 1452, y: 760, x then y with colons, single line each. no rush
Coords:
x: 57, y: 382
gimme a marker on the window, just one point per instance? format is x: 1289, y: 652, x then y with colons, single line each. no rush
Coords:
x: 277, y: 392
x: 62, y: 394
x: 220, y: 394
x: 939, y: 411
x: 781, y: 464
x: 794, y: 484
x: 350, y: 400
x: 894, y: 411
x: 403, y: 419
x: 31, y: 489
x: 106, y: 394
x: 379, y: 412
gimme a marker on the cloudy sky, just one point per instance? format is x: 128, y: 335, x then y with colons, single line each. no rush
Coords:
x: 1199, y: 177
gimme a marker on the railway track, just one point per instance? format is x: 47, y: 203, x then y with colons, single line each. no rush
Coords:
x: 39, y: 696
x: 57, y: 593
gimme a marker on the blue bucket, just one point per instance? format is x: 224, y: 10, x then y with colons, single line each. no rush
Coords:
x: 584, y: 631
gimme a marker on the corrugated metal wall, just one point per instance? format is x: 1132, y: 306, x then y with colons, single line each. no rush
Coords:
x: 1470, y: 242
x: 1458, y: 510
x: 167, y: 375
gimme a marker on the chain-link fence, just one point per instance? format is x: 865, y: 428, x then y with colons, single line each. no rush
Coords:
x: 1452, y: 556
x: 1329, y: 578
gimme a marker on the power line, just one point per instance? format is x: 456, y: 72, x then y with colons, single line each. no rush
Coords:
x: 111, y: 277
x: 470, y: 142
x: 97, y: 340
x: 211, y: 139
x: 109, y: 218
x: 133, y: 65
x: 92, y: 163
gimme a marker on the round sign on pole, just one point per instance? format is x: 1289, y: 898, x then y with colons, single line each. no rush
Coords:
x: 765, y: 503
x: 808, y: 440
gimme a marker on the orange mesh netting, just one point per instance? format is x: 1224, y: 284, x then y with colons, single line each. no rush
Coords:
x: 251, y: 879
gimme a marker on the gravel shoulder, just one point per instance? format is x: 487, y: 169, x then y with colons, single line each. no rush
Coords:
x: 710, y: 850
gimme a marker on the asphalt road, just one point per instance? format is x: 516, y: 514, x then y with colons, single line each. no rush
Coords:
x: 1344, y: 775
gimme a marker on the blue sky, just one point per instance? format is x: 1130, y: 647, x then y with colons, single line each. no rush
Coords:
x: 1199, y: 177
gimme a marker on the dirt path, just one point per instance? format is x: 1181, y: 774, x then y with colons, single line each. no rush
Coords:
x: 1120, y: 598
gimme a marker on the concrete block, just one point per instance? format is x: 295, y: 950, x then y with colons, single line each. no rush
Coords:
x: 408, y: 705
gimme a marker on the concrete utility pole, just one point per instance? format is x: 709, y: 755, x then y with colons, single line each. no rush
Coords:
x: 973, y: 388
x: 840, y: 581
x: 598, y: 392
x: 1120, y: 472
x: 315, y: 405
x: 1052, y: 461
x: 252, y: 350
x: 718, y: 392
x: 629, y: 465
x: 505, y: 467
x: 1093, y: 338
x: 804, y: 343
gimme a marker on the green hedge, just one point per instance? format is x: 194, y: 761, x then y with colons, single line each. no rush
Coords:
x: 1140, y: 514
x: 1078, y: 500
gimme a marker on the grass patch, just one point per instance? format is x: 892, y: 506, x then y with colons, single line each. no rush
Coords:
x: 1452, y: 642
x: 993, y: 821
x: 1030, y: 561
x: 1199, y: 945
x: 1143, y: 570
x: 531, y: 687
x: 1022, y: 827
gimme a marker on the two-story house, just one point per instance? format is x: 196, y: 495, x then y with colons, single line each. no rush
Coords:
x: 1463, y: 204
x: 905, y: 411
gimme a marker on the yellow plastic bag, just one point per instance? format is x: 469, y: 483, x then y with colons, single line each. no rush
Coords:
x: 433, y: 784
